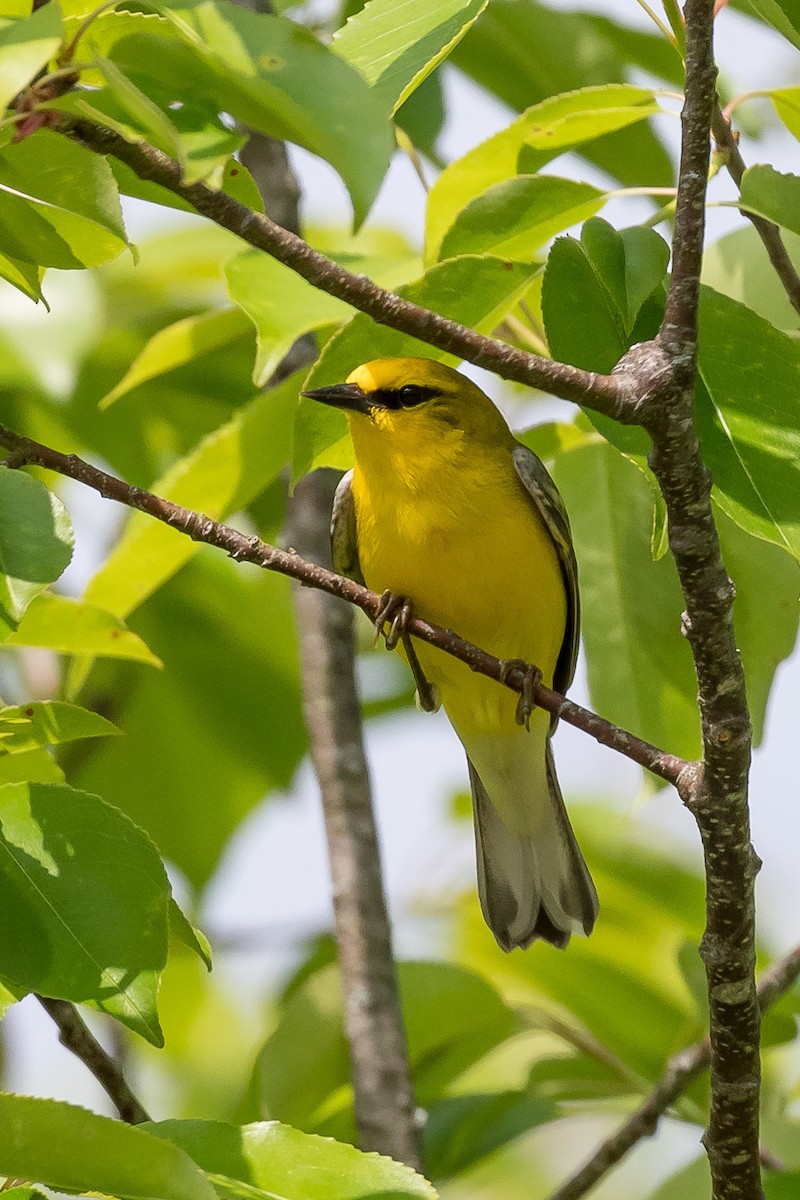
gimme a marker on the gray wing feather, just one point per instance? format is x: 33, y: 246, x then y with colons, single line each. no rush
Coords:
x: 344, y: 540
x: 545, y: 496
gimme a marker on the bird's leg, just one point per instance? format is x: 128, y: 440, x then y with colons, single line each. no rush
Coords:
x: 398, y: 611
x: 532, y: 676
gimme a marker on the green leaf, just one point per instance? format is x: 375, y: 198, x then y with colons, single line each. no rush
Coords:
x: 779, y: 1185
x: 23, y: 1193
x: 280, y: 1162
x: 77, y: 627
x: 276, y: 77
x: 25, y: 48
x: 227, y: 470
x: 73, y: 1150
x: 31, y: 766
x: 765, y: 611
x: 477, y: 291
x: 178, y: 344
x: 735, y: 265
x: 194, y: 939
x: 233, y: 179
x: 548, y: 129
x: 767, y: 193
x: 462, y: 1130
x: 48, y: 723
x: 147, y: 117
x: 59, y: 204
x: 26, y: 277
x: 518, y: 216
x: 281, y: 305
x: 395, y: 46
x: 572, y: 337
x: 83, y: 905
x: 782, y: 15
x: 787, y: 105
x: 640, y: 667
x: 36, y: 543
x: 690, y: 1183
x: 748, y: 420
x: 453, y: 1017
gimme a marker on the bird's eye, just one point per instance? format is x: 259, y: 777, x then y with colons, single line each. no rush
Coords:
x: 413, y: 394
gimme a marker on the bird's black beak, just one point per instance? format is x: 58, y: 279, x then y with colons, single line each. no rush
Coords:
x: 341, y: 395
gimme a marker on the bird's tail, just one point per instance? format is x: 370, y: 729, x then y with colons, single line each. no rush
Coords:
x: 531, y: 885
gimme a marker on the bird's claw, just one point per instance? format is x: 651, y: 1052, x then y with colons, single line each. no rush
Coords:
x: 398, y: 612
x: 531, y: 678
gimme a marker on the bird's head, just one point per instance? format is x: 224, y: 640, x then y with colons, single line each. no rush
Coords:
x: 406, y: 406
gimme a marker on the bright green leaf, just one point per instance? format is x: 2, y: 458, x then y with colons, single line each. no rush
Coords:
x: 735, y: 265
x: 178, y: 344
x: 227, y: 470
x: 77, y: 627
x: 477, y: 291
x: 25, y: 48
x: 787, y: 106
x: 59, y: 204
x: 396, y: 45
x: 767, y: 193
x: 83, y: 904
x: 36, y: 543
x: 748, y: 418
x: 640, y: 667
x: 276, y: 77
x: 782, y: 15
x: 48, y: 723
x: 516, y: 217
x: 156, y: 128
x: 194, y: 939
x: 281, y: 305
x: 26, y: 277
x: 278, y: 1161
x: 31, y: 766
x: 558, y: 124
x: 73, y: 1150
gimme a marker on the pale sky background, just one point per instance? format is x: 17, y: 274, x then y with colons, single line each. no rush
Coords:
x: 274, y: 875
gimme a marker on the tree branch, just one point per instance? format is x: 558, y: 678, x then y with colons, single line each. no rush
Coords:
x: 75, y: 1035
x: 600, y: 392
x: 383, y: 1094
x: 200, y: 528
x: 681, y: 1071
x: 769, y: 233
x: 666, y: 371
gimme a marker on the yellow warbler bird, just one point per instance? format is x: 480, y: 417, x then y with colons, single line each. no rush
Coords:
x: 445, y: 509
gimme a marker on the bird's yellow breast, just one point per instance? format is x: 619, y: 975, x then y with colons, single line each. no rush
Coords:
x: 461, y: 538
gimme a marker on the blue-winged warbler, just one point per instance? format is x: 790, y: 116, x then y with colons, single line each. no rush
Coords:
x: 447, y: 510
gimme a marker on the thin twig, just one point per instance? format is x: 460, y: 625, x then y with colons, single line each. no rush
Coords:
x: 74, y: 1034
x: 603, y: 393
x: 383, y: 1094
x: 680, y: 1072
x: 720, y: 803
x: 769, y: 233
x: 200, y: 528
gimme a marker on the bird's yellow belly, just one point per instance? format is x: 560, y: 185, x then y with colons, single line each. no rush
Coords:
x: 492, y: 577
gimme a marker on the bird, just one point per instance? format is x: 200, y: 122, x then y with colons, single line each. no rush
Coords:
x: 448, y: 516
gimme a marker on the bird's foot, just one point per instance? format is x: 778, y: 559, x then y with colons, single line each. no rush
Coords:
x: 532, y: 676
x: 397, y: 611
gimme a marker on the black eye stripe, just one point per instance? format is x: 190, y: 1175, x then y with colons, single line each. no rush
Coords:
x: 408, y: 396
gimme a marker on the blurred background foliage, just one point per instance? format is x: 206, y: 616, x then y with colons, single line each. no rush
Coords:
x: 520, y: 1061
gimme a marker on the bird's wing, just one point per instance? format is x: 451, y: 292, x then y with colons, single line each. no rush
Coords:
x: 344, y: 541
x: 544, y: 494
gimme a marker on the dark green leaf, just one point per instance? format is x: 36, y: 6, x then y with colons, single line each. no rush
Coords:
x: 83, y: 912
x: 462, y: 1130
x: 36, y: 543
x: 736, y: 266
x: 73, y: 1150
